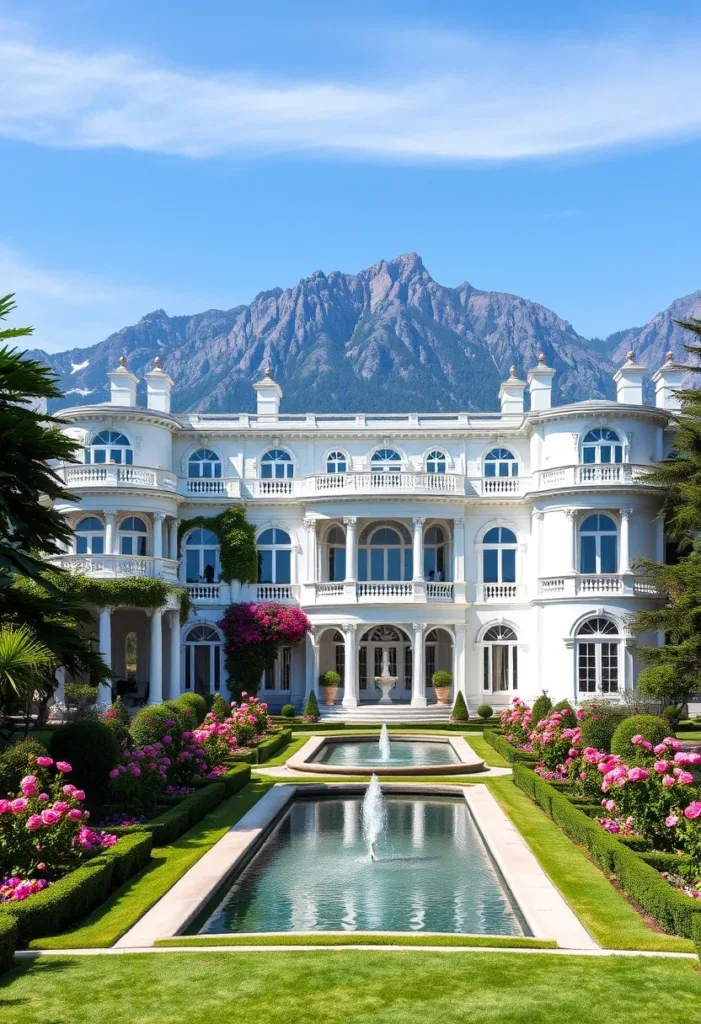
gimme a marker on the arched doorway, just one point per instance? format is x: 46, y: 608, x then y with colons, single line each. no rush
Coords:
x: 203, y: 653
x: 382, y: 644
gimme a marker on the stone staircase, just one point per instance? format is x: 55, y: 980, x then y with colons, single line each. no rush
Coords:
x: 390, y: 714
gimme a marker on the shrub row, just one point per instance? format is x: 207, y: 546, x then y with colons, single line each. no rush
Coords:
x: 167, y: 827
x: 8, y: 941
x: 267, y: 748
x: 507, y: 750
x: 640, y: 880
x: 238, y: 776
x: 72, y: 897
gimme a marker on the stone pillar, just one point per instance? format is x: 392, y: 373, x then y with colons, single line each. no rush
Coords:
x: 174, y: 681
x: 459, y: 680
x: 109, y: 533
x: 624, y: 557
x: 534, y: 570
x: 156, y: 657
x: 418, y: 678
x: 418, y: 549
x: 158, y: 519
x: 459, y: 559
x: 571, y: 514
x: 173, y: 539
x: 311, y: 665
x: 104, y: 692
x: 350, y: 684
x: 311, y: 570
x: 351, y: 547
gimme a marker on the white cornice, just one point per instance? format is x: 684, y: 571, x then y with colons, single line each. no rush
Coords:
x: 123, y: 413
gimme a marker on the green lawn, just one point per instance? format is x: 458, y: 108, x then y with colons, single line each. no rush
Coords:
x: 356, y: 987
x: 360, y: 939
x: 483, y: 750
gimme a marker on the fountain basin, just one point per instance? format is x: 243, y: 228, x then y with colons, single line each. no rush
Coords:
x: 409, y: 755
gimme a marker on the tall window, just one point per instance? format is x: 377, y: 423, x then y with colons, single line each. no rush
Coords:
x: 336, y: 462
x: 385, y: 557
x: 90, y: 537
x: 336, y: 541
x: 499, y: 556
x: 500, y: 659
x: 277, y: 676
x: 202, y: 556
x: 597, y: 656
x: 435, y: 553
x: 277, y: 465
x: 204, y: 464
x: 133, y: 536
x: 430, y: 655
x: 598, y: 545
x: 500, y: 462
x: 602, y: 445
x: 274, y: 556
x: 202, y: 659
x: 386, y: 460
x: 109, y: 446
x: 435, y: 462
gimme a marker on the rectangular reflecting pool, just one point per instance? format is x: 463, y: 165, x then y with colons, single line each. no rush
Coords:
x: 313, y: 872
x: 403, y: 754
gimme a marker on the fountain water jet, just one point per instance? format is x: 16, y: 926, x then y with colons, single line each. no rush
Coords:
x: 385, y: 751
x: 374, y: 815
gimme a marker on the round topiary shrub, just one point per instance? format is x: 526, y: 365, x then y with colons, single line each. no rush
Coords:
x: 567, y: 711
x: 485, y: 712
x: 460, y: 712
x: 16, y: 762
x: 220, y: 709
x: 288, y: 711
x: 196, y: 703
x: 152, y: 723
x: 92, y: 749
x: 311, y: 709
x: 650, y: 727
x: 542, y: 706
x: 600, y: 722
x: 330, y: 678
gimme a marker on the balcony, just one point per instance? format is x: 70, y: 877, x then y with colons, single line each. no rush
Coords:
x: 488, y: 592
x: 210, y: 488
x: 599, y: 474
x: 332, y: 484
x: 112, y: 475
x: 370, y: 591
x: 603, y: 585
x: 119, y: 566
x: 500, y: 486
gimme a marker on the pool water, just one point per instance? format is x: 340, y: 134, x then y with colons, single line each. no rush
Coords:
x: 314, y: 873
x: 403, y: 754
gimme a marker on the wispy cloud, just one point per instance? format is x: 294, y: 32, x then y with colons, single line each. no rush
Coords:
x: 457, y: 98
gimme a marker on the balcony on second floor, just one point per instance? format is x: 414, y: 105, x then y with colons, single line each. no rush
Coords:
x: 597, y: 585
x: 119, y: 566
x: 107, y: 475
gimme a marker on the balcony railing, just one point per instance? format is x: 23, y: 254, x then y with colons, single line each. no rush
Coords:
x: 208, y: 593
x: 385, y: 483
x: 439, y: 591
x: 500, y: 486
x: 384, y: 591
x: 591, y: 473
x: 112, y: 475
x: 210, y: 487
x: 601, y: 585
x: 118, y: 566
x: 498, y: 592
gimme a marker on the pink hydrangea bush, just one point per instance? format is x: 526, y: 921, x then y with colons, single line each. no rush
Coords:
x: 516, y: 724
x: 140, y: 779
x: 555, y: 742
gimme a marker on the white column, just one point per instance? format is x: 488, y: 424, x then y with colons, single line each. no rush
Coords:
x: 350, y: 683
x: 104, y: 693
x: 311, y: 665
x: 173, y: 539
x: 174, y: 681
x: 418, y: 674
x: 459, y: 559
x: 109, y: 533
x: 310, y: 529
x: 158, y: 518
x: 571, y: 514
x: 624, y: 561
x: 534, y: 569
x: 156, y: 657
x: 351, y: 547
x: 459, y: 674
x: 418, y: 549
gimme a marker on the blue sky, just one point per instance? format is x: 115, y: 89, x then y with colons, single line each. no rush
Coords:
x: 165, y: 154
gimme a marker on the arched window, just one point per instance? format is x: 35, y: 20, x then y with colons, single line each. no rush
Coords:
x: 109, y: 446
x: 386, y: 556
x: 500, y: 462
x: 204, y: 463
x: 336, y: 541
x: 435, y: 554
x: 499, y: 555
x: 436, y: 462
x: 90, y: 536
x: 336, y: 462
x: 500, y: 659
x: 597, y: 656
x: 598, y: 545
x: 133, y: 535
x: 277, y: 464
x: 202, y: 659
x: 202, y: 556
x: 274, y: 556
x: 386, y: 460
x: 602, y: 445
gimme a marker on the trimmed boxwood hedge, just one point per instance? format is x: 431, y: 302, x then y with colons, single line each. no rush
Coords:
x: 267, y: 748
x: 640, y: 880
x: 8, y: 941
x: 507, y: 750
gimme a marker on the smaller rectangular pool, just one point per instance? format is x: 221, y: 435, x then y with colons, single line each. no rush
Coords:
x: 403, y: 754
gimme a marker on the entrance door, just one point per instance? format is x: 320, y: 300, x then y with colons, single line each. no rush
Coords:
x: 203, y: 668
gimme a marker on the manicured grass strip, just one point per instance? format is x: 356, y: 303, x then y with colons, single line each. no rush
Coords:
x: 168, y: 863
x: 440, y: 780
x: 354, y: 987
x: 289, y: 750
x: 601, y: 908
x: 361, y: 939
x: 489, y: 755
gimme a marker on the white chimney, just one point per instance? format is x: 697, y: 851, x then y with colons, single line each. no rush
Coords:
x: 669, y: 379
x: 158, y: 388
x: 629, y: 382
x: 540, y: 385
x: 268, y: 396
x: 511, y: 394
x: 122, y: 384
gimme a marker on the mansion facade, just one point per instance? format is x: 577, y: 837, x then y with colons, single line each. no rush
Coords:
x: 498, y: 546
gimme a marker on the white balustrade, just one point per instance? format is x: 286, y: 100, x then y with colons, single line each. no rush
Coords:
x: 553, y: 585
x: 439, y: 591
x: 604, y: 473
x: 209, y: 593
x: 272, y: 488
x: 111, y: 566
x: 612, y: 584
x: 384, y: 590
x: 273, y: 592
x: 211, y: 487
x: 113, y: 475
x: 329, y: 591
x: 502, y: 485
x: 387, y: 483
x: 498, y: 591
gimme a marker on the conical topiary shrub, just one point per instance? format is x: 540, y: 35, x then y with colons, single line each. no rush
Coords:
x: 542, y: 706
x: 460, y: 712
x: 311, y: 710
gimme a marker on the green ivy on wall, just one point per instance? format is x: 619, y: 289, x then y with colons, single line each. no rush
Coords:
x: 137, y: 591
x: 238, y: 556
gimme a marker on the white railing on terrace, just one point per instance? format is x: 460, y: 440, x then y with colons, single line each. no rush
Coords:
x: 601, y: 585
x: 329, y: 591
x: 201, y: 487
x: 274, y: 488
x: 439, y: 591
x: 273, y: 592
x: 111, y: 566
x: 498, y: 592
x: 489, y: 486
x: 208, y: 593
x: 387, y: 483
x: 591, y: 473
x: 112, y: 475
x: 384, y: 590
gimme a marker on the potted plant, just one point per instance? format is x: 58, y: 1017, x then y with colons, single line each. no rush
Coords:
x: 442, y: 682
x: 330, y: 681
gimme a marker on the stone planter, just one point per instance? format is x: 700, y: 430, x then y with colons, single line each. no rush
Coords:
x: 442, y: 694
x: 330, y: 695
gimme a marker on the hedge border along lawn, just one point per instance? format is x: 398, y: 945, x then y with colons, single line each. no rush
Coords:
x: 167, y: 864
x: 269, y: 747
x: 507, y: 750
x: 673, y: 911
x: 8, y: 941
x: 77, y: 893
x: 361, y: 939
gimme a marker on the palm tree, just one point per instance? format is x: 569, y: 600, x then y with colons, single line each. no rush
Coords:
x: 24, y: 663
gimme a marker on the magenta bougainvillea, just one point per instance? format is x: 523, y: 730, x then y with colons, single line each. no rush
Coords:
x: 253, y: 633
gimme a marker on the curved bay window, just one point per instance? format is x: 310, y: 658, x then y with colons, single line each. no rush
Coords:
x: 277, y: 464
x: 133, y: 536
x: 203, y: 659
x: 598, y: 545
x: 436, y: 462
x: 387, y: 555
x: 500, y: 462
x: 598, y: 643
x: 90, y: 536
x: 204, y: 464
x: 386, y: 460
x: 109, y: 446
x: 602, y: 445
x: 202, y: 557
x: 435, y: 554
x: 336, y: 462
x: 499, y: 555
x: 500, y: 659
x: 336, y: 544
x: 274, y: 556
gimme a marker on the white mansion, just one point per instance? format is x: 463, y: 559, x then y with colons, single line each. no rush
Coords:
x: 499, y: 546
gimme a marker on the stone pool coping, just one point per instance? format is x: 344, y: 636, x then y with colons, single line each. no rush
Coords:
x: 467, y: 763
x: 542, y: 906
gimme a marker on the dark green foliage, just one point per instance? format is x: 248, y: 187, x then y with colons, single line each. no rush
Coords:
x: 665, y: 683
x: 442, y: 678
x: 209, y: 700
x: 460, y: 712
x: 485, y: 711
x: 648, y: 726
x: 671, y: 716
x: 268, y: 747
x: 506, y: 749
x: 8, y: 941
x: 92, y: 749
x: 195, y: 703
x: 542, y: 706
x: 167, y: 827
x: 150, y: 724
x: 16, y: 762
x: 330, y: 678
x: 220, y: 708
x: 238, y: 555
x: 311, y: 708
x: 600, y: 723
x: 288, y: 711
x: 567, y: 711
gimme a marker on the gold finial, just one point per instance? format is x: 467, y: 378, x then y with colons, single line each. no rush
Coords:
x: 670, y: 356
x: 541, y: 358
x: 630, y: 355
x: 122, y: 360
x: 512, y: 371
x: 157, y: 363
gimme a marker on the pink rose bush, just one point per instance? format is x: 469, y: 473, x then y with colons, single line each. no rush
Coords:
x: 248, y: 723
x: 516, y: 724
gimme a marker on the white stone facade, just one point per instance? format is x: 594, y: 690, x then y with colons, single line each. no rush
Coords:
x: 500, y: 547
